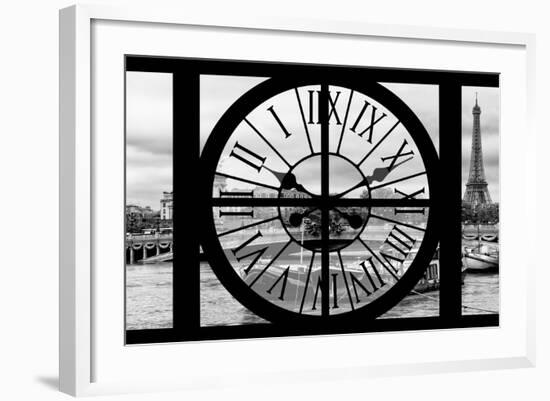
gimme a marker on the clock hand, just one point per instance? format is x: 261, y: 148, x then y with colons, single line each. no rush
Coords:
x: 288, y: 181
x: 378, y: 174
x: 295, y: 219
x: 355, y: 221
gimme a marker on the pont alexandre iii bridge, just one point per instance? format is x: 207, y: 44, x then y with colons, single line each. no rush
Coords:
x: 149, y: 248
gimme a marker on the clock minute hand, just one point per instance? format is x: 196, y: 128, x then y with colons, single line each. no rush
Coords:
x: 295, y: 219
x: 378, y: 174
x: 288, y: 181
x: 355, y: 221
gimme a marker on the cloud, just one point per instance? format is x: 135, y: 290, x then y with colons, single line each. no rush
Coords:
x: 423, y: 100
x: 148, y: 137
x: 149, y: 132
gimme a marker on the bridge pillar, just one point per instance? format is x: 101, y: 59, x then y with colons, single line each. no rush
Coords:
x: 144, y: 252
x: 157, y: 250
x: 131, y: 255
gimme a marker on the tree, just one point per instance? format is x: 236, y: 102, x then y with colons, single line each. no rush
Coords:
x: 468, y: 213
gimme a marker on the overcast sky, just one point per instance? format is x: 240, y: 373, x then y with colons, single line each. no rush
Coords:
x: 148, y: 137
x: 295, y: 147
x: 149, y: 132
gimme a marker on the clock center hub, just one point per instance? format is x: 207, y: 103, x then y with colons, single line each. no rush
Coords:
x: 303, y: 224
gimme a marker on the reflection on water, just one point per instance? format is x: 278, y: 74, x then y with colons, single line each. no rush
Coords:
x: 480, y: 294
x: 218, y: 307
x: 149, y: 299
x: 149, y: 296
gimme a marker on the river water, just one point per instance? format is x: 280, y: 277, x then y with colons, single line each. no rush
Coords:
x: 149, y: 299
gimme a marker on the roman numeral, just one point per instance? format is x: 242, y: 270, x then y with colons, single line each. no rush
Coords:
x: 306, y: 285
x: 247, y: 156
x: 345, y: 281
x: 394, y: 158
x: 417, y: 211
x: 398, y: 240
x: 356, y: 282
x: 311, y: 107
x: 257, y: 253
x: 239, y: 210
x: 385, y: 184
x: 388, y: 269
x: 332, y: 105
x: 332, y: 99
x: 373, y: 121
x: 302, y: 115
x: 284, y: 277
x: 401, y: 242
x: 335, y: 290
x: 316, y: 293
x: 409, y: 196
x: 276, y: 117
x: 375, y: 284
x: 319, y: 287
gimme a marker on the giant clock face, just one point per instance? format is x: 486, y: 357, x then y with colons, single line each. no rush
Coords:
x: 318, y: 200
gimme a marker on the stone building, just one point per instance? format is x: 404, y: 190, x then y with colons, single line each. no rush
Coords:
x: 166, y: 206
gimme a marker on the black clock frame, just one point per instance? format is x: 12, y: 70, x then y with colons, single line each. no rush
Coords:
x: 209, y: 161
x: 445, y: 194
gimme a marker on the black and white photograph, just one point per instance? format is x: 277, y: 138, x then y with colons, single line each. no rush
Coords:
x: 295, y: 200
x: 326, y: 200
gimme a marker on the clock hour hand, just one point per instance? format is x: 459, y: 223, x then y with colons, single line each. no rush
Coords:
x: 355, y: 221
x: 295, y: 219
x: 288, y: 181
x: 380, y: 173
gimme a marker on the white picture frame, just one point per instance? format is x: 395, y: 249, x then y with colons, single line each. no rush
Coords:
x: 84, y: 328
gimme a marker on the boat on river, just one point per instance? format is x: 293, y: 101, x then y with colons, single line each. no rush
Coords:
x: 481, y: 258
x: 430, y: 278
x: 430, y: 281
x: 489, y: 237
x: 470, y: 237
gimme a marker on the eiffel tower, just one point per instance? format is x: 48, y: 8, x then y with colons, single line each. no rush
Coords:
x: 477, y: 192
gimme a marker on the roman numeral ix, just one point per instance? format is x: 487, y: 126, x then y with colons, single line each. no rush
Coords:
x: 333, y: 112
x: 373, y: 121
